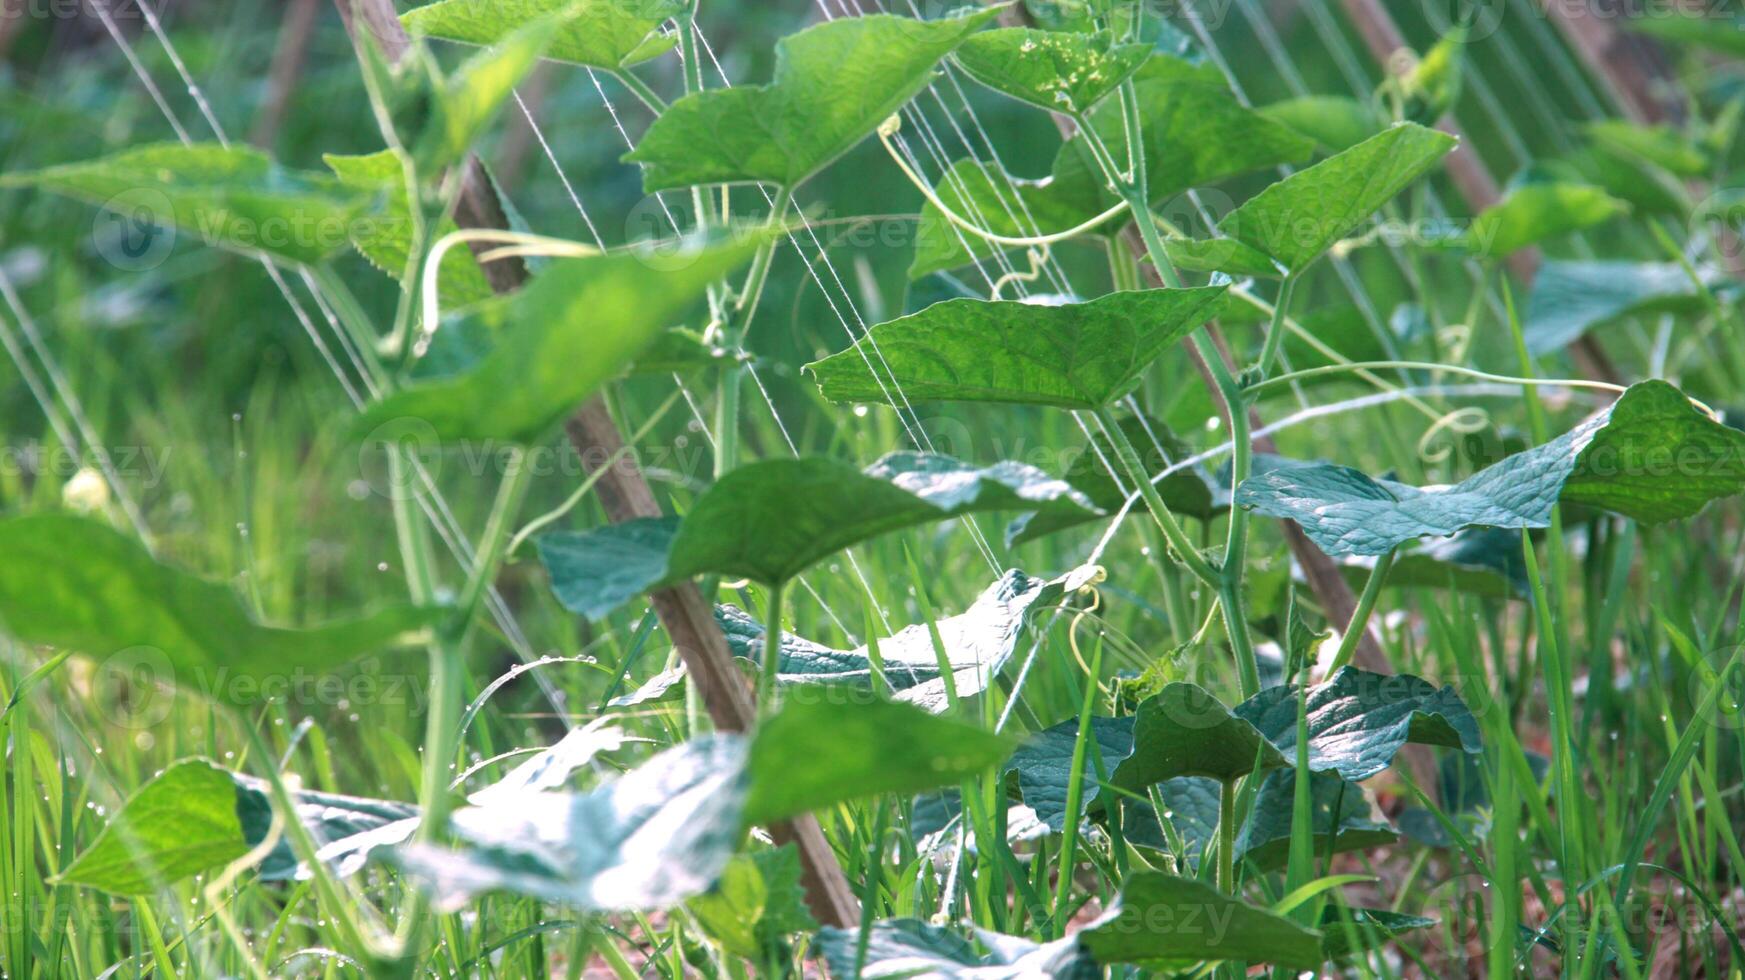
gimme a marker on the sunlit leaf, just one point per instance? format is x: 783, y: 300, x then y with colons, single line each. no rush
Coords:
x: 76, y: 582
x: 770, y: 520
x: 1077, y: 356
x: 576, y: 325
x: 1358, y: 721
x: 913, y: 948
x: 609, y: 34
x: 1167, y: 921
x: 1651, y: 456
x: 466, y: 102
x: 228, y: 197
x: 1009, y: 206
x: 1298, y: 218
x: 1056, y: 70
x: 1334, y: 121
x: 1533, y: 213
x: 757, y: 902
x: 1226, y: 255
x: 834, y: 84
x: 385, y: 238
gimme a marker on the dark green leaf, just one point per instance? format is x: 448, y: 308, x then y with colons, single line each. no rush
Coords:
x: 1298, y: 218
x: 1059, y: 71
x: 1005, y: 205
x: 1570, y: 298
x: 576, y: 325
x: 78, y: 583
x: 1346, y: 930
x: 1265, y: 840
x: 1077, y: 356
x: 1479, y: 561
x: 828, y: 744
x: 1358, y: 721
x: 1651, y: 456
x: 1191, y: 490
x: 228, y: 197
x: 1043, y: 765
x: 770, y: 520
x: 1184, y: 731
x: 1165, y: 920
x: 912, y: 948
x: 834, y: 84
x: 609, y: 34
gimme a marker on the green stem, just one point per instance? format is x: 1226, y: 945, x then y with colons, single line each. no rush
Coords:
x: 640, y: 89
x: 1227, y: 838
x: 1178, y: 539
x: 1075, y: 794
x: 744, y: 308
x: 1275, y: 332
x: 772, y: 650
x: 1262, y: 388
x: 1365, y: 606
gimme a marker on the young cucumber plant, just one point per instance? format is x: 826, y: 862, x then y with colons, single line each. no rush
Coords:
x: 1201, y: 809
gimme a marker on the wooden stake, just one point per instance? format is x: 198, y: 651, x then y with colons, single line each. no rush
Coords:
x: 684, y: 614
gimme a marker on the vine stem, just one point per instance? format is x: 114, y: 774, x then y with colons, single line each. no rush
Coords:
x: 1188, y: 554
x: 744, y: 308
x: 1263, y: 387
x: 1227, y: 837
x: 772, y: 650
x: 640, y: 89
x: 1365, y: 606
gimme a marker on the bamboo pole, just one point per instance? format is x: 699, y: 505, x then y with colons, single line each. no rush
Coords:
x: 625, y: 494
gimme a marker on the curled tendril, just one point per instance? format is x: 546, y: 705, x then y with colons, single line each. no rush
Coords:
x: 1460, y: 422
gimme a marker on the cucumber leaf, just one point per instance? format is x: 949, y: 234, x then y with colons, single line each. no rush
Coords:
x: 1571, y: 298
x: 575, y: 326
x: 1042, y: 765
x: 1075, y: 356
x: 1166, y: 921
x: 1336, y: 122
x: 234, y: 198
x: 1478, y: 561
x: 1298, y: 218
x: 770, y: 520
x: 465, y: 103
x: 1358, y: 721
x: 1226, y: 255
x: 911, y: 947
x: 385, y: 239
x: 1651, y: 456
x: 606, y: 34
x: 874, y: 747
x: 834, y: 84
x: 1349, y: 930
x: 1005, y: 205
x: 1533, y: 213
x: 758, y: 901
x: 75, y: 582
x: 1337, y: 807
x: 1191, y: 490
x: 1055, y: 70
x: 1184, y: 731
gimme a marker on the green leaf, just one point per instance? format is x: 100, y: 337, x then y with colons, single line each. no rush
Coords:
x: 1196, y: 133
x: 1660, y: 145
x: 1533, y: 213
x: 1651, y: 456
x: 1298, y: 218
x: 1346, y: 931
x: 1191, y: 490
x: 194, y: 817
x: 1478, y: 561
x: 770, y: 520
x: 339, y: 825
x: 661, y: 833
x: 1358, y: 721
x: 1075, y: 356
x: 913, y: 948
x: 1336, y: 122
x: 465, y: 103
x: 1721, y: 32
x: 827, y: 745
x: 1055, y: 70
x: 834, y: 84
x: 575, y: 326
x: 607, y: 34
x: 178, y: 825
x: 977, y: 642
x: 1648, y: 189
x: 232, y: 198
x: 1265, y: 840
x: 1184, y: 731
x: 757, y: 902
x: 1043, y: 765
x: 1571, y: 298
x: 76, y: 582
x: 1005, y: 205
x: 1433, y: 85
x: 1168, y: 921
x: 1226, y: 255
x: 385, y: 239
